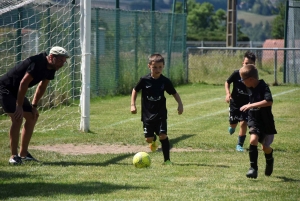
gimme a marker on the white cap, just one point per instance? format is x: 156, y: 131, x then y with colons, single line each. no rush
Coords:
x: 59, y: 51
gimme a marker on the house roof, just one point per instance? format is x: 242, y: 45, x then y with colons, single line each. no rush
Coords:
x: 273, y: 43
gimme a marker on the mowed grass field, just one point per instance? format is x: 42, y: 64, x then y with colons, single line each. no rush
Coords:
x: 206, y: 168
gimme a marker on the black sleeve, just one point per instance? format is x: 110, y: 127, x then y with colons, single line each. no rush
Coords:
x: 234, y: 76
x: 268, y: 94
x: 169, y: 87
x: 139, y: 85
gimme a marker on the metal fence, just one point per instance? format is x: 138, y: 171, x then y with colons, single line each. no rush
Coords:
x: 292, y: 40
x: 213, y: 65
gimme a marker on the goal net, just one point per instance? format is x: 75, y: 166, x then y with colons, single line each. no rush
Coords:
x: 28, y: 27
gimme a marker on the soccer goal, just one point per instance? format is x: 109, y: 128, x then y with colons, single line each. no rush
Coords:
x: 28, y: 27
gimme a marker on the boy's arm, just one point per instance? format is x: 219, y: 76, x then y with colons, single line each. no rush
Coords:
x: 227, y: 90
x: 133, y: 99
x: 180, y: 105
x: 263, y: 103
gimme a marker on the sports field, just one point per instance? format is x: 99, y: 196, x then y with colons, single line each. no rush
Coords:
x: 98, y: 165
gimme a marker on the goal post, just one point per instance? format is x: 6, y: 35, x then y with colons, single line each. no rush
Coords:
x: 29, y: 27
x: 85, y: 29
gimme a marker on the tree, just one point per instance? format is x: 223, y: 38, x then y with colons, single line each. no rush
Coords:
x: 278, y: 23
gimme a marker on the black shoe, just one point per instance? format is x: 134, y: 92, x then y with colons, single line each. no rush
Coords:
x: 15, y: 160
x: 252, y: 173
x: 269, y: 167
x: 29, y: 157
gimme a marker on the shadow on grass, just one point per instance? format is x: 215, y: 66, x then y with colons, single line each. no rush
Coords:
x: 17, y: 190
x: 286, y: 179
x: 181, y: 138
x: 72, y: 163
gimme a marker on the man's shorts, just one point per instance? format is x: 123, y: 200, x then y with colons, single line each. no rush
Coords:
x: 235, y: 115
x: 8, y: 102
x: 157, y: 127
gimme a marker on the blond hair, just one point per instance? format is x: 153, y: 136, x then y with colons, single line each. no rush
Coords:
x: 249, y: 70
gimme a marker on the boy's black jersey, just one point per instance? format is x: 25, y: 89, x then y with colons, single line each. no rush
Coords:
x: 261, y: 118
x: 153, y: 99
x: 36, y: 66
x: 239, y: 94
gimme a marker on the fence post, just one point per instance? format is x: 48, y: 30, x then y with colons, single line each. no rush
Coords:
x: 97, y: 67
x: 275, y: 66
x: 153, y: 41
x: 117, y: 44
x: 285, y: 40
x: 187, y: 66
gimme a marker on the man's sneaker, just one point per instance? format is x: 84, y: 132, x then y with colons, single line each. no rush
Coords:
x: 168, y: 162
x: 231, y: 130
x: 153, y: 146
x: 15, y: 160
x: 29, y: 157
x: 269, y: 167
x: 239, y: 148
x: 252, y: 173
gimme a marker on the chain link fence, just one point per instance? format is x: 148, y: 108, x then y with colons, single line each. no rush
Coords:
x: 292, y: 40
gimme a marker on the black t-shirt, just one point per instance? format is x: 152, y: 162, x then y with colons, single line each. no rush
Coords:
x: 36, y: 66
x: 153, y: 98
x: 261, y: 118
x: 239, y: 94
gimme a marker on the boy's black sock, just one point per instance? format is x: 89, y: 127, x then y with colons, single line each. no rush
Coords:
x: 253, y: 155
x: 154, y: 139
x: 165, y: 146
x: 269, y: 158
x: 241, y: 140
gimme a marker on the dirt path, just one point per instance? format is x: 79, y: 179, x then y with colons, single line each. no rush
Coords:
x: 99, y: 149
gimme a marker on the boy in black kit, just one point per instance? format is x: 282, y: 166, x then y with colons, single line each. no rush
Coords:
x: 236, y: 99
x: 260, y: 119
x: 154, y: 111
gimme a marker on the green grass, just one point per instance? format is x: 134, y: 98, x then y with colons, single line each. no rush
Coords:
x: 213, y: 171
x: 254, y: 18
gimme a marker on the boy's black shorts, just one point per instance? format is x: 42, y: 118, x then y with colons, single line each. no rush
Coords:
x: 157, y: 127
x: 8, y: 102
x: 235, y: 115
x: 257, y: 131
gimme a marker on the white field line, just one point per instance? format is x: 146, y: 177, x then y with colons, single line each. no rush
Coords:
x: 223, y: 111
x: 139, y: 115
x: 191, y: 105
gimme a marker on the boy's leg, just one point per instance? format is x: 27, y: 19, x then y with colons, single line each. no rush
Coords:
x: 150, y: 137
x: 165, y: 146
x: 233, y: 121
x: 165, y: 143
x: 253, y: 156
x: 242, y: 136
x: 268, y: 154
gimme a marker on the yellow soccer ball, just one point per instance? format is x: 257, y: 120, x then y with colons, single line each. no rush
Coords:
x: 141, y: 160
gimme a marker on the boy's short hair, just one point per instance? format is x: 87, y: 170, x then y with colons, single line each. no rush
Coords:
x: 249, y: 70
x: 250, y: 55
x: 156, y: 58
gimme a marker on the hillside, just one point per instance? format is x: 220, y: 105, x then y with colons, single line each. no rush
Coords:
x: 254, y: 18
